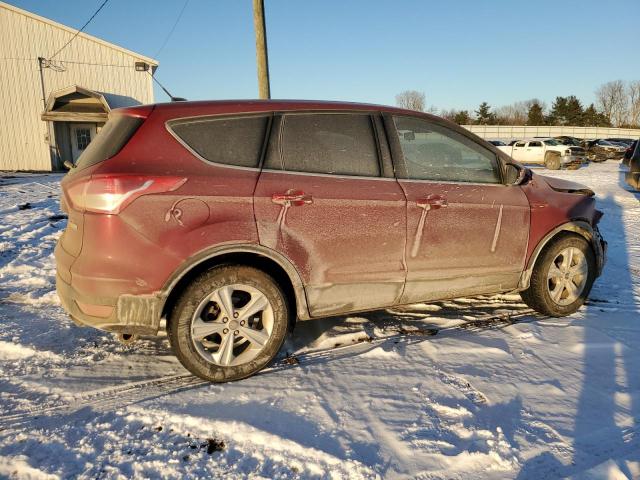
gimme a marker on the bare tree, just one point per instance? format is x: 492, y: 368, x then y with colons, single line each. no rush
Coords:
x: 633, y: 94
x: 612, y: 101
x: 411, y: 100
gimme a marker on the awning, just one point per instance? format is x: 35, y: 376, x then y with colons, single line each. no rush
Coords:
x: 78, y: 104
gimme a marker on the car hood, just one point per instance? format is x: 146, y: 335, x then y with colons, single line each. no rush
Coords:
x: 566, y: 186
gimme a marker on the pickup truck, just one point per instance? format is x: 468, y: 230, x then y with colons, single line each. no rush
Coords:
x: 546, y: 151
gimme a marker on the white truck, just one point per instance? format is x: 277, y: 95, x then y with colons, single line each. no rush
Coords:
x: 545, y: 151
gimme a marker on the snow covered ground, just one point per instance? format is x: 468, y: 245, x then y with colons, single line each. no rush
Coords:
x: 474, y: 388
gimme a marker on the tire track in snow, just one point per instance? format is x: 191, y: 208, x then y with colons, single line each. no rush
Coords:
x: 121, y: 396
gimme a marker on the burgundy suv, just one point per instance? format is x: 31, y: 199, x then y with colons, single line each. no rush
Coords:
x: 232, y: 219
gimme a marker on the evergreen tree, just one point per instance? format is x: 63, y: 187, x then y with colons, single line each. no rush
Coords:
x: 462, y: 117
x: 535, y: 115
x: 593, y: 118
x: 484, y: 116
x: 558, y: 111
x: 574, y: 112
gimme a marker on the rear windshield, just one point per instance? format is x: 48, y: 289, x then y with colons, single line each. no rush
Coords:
x: 114, y: 135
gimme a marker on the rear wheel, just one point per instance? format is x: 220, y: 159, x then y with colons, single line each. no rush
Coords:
x: 552, y: 160
x: 229, y: 323
x: 562, y: 277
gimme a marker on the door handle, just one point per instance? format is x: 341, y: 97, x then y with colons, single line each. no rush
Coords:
x: 433, y: 201
x: 296, y: 198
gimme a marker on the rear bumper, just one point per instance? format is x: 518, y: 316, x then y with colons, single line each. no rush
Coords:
x: 134, y: 314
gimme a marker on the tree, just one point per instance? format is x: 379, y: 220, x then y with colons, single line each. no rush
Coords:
x: 593, y: 118
x: 611, y: 99
x: 484, y: 116
x: 411, y: 100
x: 535, y: 115
x: 558, y: 113
x: 574, y: 112
x: 633, y: 93
x: 462, y: 117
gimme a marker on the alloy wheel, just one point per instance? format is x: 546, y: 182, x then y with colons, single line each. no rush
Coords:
x: 567, y: 276
x: 232, y: 325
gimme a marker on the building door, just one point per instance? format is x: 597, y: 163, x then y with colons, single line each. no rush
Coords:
x: 81, y: 136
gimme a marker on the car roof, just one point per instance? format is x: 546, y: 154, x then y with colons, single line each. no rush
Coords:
x: 213, y: 107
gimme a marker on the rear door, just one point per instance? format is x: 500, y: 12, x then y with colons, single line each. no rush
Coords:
x: 327, y: 200
x: 535, y: 152
x: 466, y: 232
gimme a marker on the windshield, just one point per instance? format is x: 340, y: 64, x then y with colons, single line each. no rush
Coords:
x: 552, y: 142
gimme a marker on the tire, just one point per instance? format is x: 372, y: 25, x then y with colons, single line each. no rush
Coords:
x: 239, y: 343
x: 552, y: 161
x: 543, y: 286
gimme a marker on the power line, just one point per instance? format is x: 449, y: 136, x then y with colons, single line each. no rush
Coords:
x: 175, y: 24
x: 78, y: 32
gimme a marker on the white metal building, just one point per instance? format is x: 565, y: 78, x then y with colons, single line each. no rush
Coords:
x: 50, y: 109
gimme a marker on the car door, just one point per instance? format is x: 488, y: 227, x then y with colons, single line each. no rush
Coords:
x: 518, y: 152
x: 327, y: 200
x: 467, y: 232
x: 534, y: 152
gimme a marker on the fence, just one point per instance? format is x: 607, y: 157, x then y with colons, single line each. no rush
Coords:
x: 509, y: 132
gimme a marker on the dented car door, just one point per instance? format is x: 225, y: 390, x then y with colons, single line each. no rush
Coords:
x: 327, y: 200
x: 467, y: 232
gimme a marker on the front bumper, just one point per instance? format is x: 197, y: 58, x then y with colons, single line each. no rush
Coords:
x: 132, y: 314
x: 600, y: 247
x: 573, y: 160
x: 633, y: 179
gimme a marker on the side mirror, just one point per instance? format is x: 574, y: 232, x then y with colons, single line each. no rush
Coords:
x: 516, y: 174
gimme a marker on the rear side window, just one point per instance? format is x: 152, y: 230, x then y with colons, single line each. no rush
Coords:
x: 230, y: 141
x: 339, y: 144
x: 112, y: 137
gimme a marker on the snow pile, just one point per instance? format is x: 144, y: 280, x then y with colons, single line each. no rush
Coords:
x: 463, y: 389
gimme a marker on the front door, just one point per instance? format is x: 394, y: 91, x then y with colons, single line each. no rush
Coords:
x: 81, y: 136
x: 535, y: 152
x: 323, y: 201
x: 467, y: 233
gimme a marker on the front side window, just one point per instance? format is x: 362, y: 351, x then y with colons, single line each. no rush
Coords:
x: 433, y: 152
x: 535, y: 144
x: 338, y: 144
x: 230, y: 141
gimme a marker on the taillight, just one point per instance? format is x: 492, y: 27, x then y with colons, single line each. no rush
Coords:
x: 110, y: 194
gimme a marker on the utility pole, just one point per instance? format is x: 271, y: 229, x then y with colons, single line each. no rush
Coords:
x: 262, y: 58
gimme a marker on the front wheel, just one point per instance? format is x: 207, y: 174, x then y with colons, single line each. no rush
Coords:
x: 229, y: 323
x: 562, y: 277
x: 552, y: 161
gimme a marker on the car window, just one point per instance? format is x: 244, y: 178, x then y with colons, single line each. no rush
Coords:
x: 552, y: 142
x: 519, y: 144
x: 230, y: 141
x: 433, y: 152
x: 339, y: 144
x: 535, y: 144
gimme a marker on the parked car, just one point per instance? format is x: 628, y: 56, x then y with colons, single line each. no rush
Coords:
x: 570, y: 141
x: 629, y: 152
x: 234, y: 219
x: 632, y: 176
x: 601, y: 150
x: 546, y: 151
x: 497, y: 143
x: 621, y: 141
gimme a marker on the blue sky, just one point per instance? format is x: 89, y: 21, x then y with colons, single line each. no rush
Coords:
x: 459, y: 53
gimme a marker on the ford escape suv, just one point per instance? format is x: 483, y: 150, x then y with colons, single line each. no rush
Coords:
x: 233, y: 219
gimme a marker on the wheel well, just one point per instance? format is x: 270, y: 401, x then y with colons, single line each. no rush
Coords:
x: 268, y: 266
